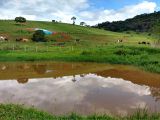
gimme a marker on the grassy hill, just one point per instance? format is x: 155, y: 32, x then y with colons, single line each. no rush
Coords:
x: 95, y: 45
x: 13, y: 31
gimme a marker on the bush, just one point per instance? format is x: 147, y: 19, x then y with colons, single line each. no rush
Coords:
x: 120, y: 52
x: 39, y: 36
x: 86, y: 53
x: 20, y: 19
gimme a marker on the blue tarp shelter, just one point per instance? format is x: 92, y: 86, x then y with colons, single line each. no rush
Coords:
x: 47, y: 32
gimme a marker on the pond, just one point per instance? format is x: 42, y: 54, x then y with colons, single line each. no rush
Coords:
x: 84, y: 88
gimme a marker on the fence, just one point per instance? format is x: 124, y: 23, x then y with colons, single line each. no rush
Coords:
x: 32, y: 47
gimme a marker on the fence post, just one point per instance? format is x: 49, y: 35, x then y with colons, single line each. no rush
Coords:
x: 13, y: 47
x: 25, y: 48
x: 72, y: 48
x: 36, y: 49
x: 47, y: 48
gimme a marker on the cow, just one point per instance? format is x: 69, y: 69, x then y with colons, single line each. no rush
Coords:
x: 2, y: 38
x: 119, y: 41
x: 22, y: 40
x: 144, y: 43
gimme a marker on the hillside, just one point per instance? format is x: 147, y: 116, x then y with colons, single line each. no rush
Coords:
x: 140, y: 23
x: 86, y: 34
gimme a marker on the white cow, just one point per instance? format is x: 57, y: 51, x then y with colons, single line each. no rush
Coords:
x: 3, y: 38
x: 119, y: 41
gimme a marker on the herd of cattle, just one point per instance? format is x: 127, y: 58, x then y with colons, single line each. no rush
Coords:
x: 143, y: 42
x: 3, y: 38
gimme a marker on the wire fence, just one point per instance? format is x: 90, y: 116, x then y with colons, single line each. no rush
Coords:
x: 34, y: 47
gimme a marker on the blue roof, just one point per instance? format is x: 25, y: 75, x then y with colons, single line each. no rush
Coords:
x: 47, y: 32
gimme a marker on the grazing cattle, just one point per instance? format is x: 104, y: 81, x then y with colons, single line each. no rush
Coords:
x: 148, y: 43
x: 119, y: 41
x: 77, y: 40
x: 59, y: 44
x: 25, y: 40
x: 2, y: 38
x: 144, y: 43
x: 22, y: 40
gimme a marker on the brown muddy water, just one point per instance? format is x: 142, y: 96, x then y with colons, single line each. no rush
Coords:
x: 84, y: 88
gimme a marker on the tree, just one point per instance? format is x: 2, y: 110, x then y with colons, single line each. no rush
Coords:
x: 82, y: 23
x: 74, y: 20
x: 53, y: 21
x: 20, y: 20
x: 39, y: 36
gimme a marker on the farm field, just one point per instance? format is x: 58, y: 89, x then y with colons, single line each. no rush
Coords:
x: 88, y: 69
x: 79, y: 59
x: 94, y: 45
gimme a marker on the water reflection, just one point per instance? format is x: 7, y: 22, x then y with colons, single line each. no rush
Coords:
x: 59, y: 87
x: 40, y: 69
x: 22, y: 80
x: 87, y: 94
x: 45, y: 69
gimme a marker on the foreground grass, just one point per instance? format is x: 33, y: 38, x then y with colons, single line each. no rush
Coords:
x: 17, y: 112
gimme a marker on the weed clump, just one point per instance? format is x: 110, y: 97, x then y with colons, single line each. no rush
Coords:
x: 86, y: 53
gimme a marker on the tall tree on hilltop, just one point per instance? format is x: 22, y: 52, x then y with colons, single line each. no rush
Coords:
x: 74, y: 20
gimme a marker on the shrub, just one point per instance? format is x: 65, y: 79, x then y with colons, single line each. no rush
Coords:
x: 120, y: 52
x: 39, y: 36
x: 20, y: 19
x: 86, y: 53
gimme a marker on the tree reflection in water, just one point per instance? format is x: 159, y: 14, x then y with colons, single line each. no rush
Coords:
x: 40, y: 69
x: 155, y: 93
x: 22, y: 80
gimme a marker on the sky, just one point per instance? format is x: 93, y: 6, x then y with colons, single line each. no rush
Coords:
x: 89, y: 11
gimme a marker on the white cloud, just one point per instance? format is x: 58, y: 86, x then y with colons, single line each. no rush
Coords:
x: 121, y: 14
x: 63, y: 10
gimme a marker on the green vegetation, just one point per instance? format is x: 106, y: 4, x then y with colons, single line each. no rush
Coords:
x: 143, y: 57
x: 78, y: 44
x: 20, y: 20
x: 140, y: 23
x: 17, y: 112
x: 39, y: 36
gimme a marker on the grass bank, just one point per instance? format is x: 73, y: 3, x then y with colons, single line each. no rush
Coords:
x: 17, y: 112
x: 144, y: 57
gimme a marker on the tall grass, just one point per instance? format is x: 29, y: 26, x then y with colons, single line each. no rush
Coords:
x: 18, y: 112
x: 144, y: 57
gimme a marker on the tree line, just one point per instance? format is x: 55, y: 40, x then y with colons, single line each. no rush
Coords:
x: 140, y: 23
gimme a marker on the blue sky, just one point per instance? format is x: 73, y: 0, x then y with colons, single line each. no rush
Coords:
x: 117, y: 4
x: 89, y: 11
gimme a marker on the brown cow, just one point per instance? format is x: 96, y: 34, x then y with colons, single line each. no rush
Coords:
x: 22, y: 40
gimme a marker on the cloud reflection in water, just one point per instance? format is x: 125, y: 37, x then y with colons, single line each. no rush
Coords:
x: 87, y: 94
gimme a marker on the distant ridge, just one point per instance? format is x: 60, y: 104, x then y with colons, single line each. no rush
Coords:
x: 140, y: 23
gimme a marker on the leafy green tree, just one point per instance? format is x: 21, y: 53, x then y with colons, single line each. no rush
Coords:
x: 82, y: 23
x: 20, y: 20
x: 74, y: 20
x: 39, y: 36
